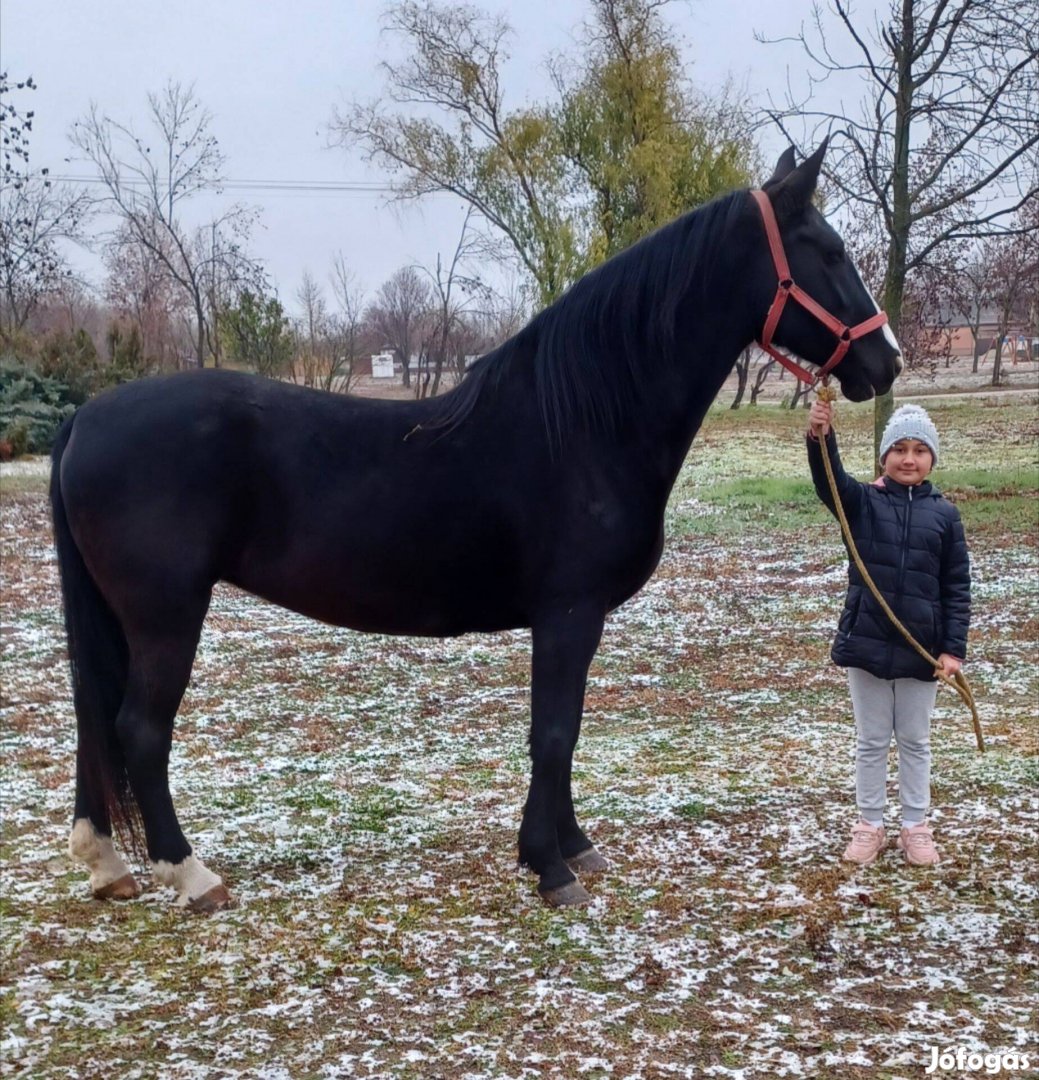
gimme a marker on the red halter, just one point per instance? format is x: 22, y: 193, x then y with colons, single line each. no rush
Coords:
x: 788, y: 290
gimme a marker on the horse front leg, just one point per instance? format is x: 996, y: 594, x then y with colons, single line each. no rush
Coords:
x: 580, y: 853
x: 563, y: 647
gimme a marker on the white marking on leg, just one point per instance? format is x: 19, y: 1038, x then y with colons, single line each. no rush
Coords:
x: 87, y: 845
x: 889, y: 334
x: 191, y: 878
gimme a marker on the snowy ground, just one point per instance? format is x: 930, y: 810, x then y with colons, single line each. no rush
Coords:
x: 361, y: 795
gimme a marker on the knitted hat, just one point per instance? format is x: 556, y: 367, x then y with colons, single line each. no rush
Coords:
x: 909, y: 422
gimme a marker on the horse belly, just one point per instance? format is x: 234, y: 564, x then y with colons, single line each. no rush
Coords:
x: 382, y: 606
x: 409, y: 579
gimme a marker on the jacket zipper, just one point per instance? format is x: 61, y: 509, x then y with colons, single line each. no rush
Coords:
x: 905, y: 540
x: 901, y: 569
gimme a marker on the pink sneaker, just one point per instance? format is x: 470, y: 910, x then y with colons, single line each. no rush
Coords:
x: 917, y: 844
x: 866, y: 844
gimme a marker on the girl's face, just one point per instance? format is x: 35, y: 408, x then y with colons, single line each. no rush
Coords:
x: 908, y: 461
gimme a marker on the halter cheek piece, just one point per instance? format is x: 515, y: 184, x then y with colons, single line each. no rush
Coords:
x: 788, y: 290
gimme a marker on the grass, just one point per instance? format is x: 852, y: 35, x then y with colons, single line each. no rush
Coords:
x: 362, y: 798
x: 733, y: 507
x: 747, y: 471
x: 990, y: 498
x: 11, y: 486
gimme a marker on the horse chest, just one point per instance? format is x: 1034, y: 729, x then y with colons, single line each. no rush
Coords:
x: 606, y: 546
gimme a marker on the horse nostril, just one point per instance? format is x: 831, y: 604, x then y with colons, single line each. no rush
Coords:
x: 899, y: 364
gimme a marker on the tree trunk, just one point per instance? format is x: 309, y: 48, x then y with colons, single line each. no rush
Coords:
x: 200, y: 337
x: 742, y: 373
x: 215, y: 346
x: 884, y: 404
x: 800, y: 394
x: 997, y: 360
x: 895, y: 276
x: 759, y: 381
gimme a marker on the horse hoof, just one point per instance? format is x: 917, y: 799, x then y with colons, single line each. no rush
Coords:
x: 124, y: 888
x: 216, y: 899
x: 573, y: 894
x: 588, y: 861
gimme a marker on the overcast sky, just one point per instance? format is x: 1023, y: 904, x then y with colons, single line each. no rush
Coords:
x: 271, y: 73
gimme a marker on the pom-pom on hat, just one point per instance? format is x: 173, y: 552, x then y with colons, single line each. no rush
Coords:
x: 909, y: 422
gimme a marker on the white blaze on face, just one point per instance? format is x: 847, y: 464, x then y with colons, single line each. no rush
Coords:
x: 191, y: 878
x: 888, y: 332
x: 87, y: 845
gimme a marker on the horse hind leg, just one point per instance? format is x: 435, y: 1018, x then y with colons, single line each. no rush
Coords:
x: 160, y: 665
x: 110, y: 877
x: 98, y: 651
x: 91, y: 840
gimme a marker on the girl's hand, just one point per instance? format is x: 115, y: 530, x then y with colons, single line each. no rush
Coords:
x: 948, y: 665
x: 820, y: 417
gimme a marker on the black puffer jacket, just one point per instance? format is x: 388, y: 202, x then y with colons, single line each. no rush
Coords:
x: 911, y: 540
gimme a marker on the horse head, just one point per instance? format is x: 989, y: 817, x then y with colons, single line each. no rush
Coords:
x: 816, y: 305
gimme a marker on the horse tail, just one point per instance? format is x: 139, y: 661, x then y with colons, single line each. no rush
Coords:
x: 99, y: 660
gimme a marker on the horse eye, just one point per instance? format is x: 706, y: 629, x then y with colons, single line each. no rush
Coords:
x: 834, y: 257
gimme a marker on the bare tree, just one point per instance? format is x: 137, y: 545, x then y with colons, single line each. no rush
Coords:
x: 943, y: 145
x: 742, y: 374
x: 309, y: 355
x: 800, y: 395
x: 328, y: 342
x: 77, y: 303
x: 1014, y: 281
x: 505, y: 312
x: 345, y: 327
x: 36, y: 215
x: 148, y: 191
x: 446, y: 324
x: 140, y: 289
x: 224, y: 272
x: 971, y: 295
x: 759, y: 379
x: 922, y: 335
x: 400, y: 305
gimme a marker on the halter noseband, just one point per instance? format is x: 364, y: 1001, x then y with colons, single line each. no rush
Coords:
x: 788, y: 290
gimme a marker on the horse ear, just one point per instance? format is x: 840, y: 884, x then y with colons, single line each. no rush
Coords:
x: 794, y: 192
x: 784, y: 167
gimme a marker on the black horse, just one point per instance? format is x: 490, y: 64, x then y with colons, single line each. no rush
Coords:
x: 534, y: 493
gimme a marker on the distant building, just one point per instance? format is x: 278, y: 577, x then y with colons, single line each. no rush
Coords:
x: 382, y: 365
x: 958, y: 341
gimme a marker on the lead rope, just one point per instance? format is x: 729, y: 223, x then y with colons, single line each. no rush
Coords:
x: 959, y: 681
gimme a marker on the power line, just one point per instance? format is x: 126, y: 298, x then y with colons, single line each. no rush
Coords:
x: 272, y: 187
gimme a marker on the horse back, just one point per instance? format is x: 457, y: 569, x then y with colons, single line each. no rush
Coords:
x: 358, y: 512
x: 341, y: 508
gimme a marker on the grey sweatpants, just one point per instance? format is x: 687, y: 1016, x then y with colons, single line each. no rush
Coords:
x: 886, y: 707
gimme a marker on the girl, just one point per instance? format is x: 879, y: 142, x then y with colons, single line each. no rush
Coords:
x: 911, y: 540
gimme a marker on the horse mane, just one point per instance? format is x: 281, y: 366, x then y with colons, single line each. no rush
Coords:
x: 589, y: 347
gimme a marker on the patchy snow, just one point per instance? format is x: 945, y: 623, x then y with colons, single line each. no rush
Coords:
x: 361, y: 797
x: 31, y: 465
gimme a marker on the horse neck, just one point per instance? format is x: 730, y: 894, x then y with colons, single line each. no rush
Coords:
x: 713, y: 324
x: 677, y: 393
